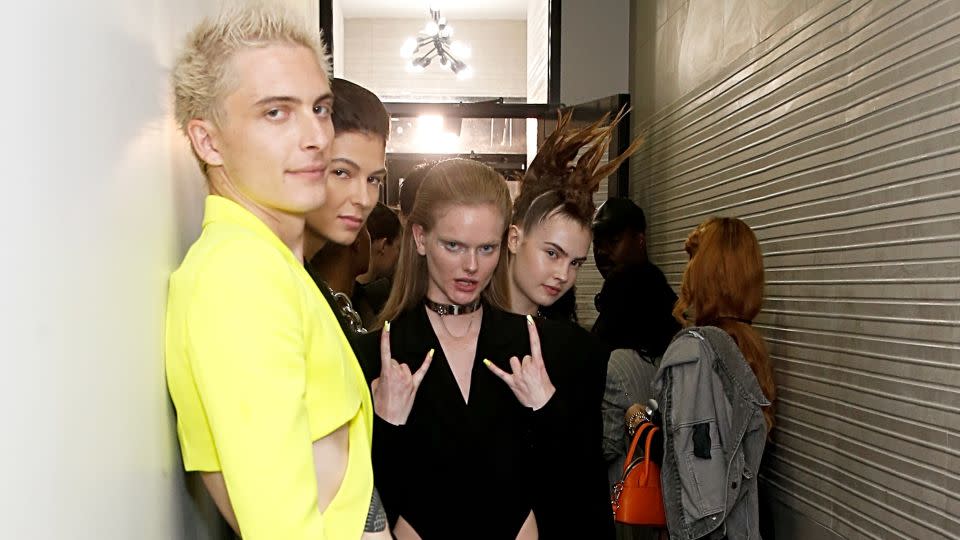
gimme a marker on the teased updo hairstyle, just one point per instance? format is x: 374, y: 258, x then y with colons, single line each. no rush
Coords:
x: 557, y: 182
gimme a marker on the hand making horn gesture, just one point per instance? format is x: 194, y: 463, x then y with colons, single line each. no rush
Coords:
x: 529, y: 380
x: 395, y: 389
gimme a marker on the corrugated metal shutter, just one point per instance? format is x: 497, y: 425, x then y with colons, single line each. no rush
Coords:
x: 838, y: 141
x: 589, y: 280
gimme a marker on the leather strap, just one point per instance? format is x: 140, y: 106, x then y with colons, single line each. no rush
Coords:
x: 646, y: 430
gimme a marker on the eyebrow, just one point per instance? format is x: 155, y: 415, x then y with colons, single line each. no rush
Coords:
x: 289, y: 99
x: 557, y: 247
x: 454, y: 240
x: 564, y: 252
x: 355, y: 165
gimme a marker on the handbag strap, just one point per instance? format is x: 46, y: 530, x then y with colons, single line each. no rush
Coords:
x: 646, y: 450
x: 646, y: 430
x: 641, y: 431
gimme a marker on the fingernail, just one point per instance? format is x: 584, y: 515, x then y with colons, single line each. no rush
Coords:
x: 386, y: 326
x: 529, y: 319
x: 430, y: 353
x: 486, y: 362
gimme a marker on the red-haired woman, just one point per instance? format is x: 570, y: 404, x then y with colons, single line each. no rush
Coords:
x: 715, y: 387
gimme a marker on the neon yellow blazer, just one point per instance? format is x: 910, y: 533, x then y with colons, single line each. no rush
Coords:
x: 258, y: 369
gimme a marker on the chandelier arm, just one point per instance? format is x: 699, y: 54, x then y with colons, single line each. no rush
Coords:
x: 454, y: 59
x: 437, y: 46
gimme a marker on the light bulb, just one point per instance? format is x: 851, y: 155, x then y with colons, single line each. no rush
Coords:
x: 431, y: 28
x: 465, y: 73
x: 408, y: 48
x: 461, y: 50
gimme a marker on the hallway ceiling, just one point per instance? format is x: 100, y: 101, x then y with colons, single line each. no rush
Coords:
x: 452, y: 9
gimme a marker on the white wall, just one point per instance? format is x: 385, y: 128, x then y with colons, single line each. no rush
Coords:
x: 594, y: 50
x: 538, y: 63
x: 538, y: 52
x: 103, y: 199
x: 337, y: 38
x: 372, y: 59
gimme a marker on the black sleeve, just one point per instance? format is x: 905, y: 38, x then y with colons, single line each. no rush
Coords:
x: 568, y: 437
x: 386, y: 442
x: 367, y: 348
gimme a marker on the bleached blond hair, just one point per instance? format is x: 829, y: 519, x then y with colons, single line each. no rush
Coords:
x: 201, y: 76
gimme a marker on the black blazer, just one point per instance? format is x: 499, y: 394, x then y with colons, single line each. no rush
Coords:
x: 476, y: 468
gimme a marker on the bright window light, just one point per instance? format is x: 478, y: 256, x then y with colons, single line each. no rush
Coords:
x: 432, y: 138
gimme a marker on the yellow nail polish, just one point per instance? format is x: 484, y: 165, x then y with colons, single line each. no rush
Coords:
x: 486, y: 362
x: 430, y: 354
x: 529, y: 319
x: 386, y: 326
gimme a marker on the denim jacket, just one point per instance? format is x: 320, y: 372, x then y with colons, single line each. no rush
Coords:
x: 714, y: 435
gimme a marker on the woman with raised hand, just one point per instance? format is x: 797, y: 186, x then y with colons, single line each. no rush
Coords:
x: 548, y: 241
x: 465, y: 408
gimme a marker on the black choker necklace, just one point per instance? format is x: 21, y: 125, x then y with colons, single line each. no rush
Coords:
x: 451, y: 309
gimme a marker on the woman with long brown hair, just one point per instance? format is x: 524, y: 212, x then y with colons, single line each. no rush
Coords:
x: 715, y: 387
x: 457, y: 451
x: 548, y: 241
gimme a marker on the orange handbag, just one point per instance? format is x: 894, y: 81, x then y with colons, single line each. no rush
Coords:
x: 637, y: 498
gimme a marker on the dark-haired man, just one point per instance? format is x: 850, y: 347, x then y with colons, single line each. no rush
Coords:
x: 636, y: 302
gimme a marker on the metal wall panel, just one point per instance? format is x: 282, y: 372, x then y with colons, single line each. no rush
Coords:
x: 837, y: 138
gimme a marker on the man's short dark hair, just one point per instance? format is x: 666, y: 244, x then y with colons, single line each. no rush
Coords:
x: 411, y: 183
x: 358, y: 110
x: 383, y: 223
x: 617, y: 215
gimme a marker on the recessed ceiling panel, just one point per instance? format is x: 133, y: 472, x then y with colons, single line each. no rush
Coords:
x: 452, y: 9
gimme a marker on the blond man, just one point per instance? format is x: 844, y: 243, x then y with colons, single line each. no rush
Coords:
x: 272, y: 408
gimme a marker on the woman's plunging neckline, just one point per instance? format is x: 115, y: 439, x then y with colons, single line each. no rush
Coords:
x: 465, y: 396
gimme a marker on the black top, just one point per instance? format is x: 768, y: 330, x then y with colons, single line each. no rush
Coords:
x: 478, y: 467
x: 335, y: 306
x: 635, y: 309
x: 369, y: 299
x: 564, y: 309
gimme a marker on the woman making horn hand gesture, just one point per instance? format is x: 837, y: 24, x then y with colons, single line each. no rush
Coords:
x: 458, y: 453
x: 529, y: 380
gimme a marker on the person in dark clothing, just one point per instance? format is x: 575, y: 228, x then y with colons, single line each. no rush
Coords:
x: 635, y: 304
x: 459, y: 453
x: 355, y: 172
x: 373, y: 287
x: 548, y: 241
x: 635, y: 320
x: 334, y: 269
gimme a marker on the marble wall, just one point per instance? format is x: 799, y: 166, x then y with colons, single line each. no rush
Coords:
x: 679, y: 44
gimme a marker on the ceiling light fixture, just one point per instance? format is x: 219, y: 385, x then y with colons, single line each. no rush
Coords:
x: 434, y: 41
